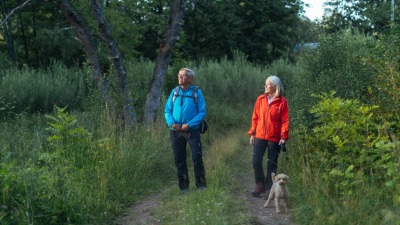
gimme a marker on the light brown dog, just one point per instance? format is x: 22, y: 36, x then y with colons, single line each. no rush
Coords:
x: 279, y: 190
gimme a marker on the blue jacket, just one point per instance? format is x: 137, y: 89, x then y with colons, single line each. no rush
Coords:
x: 184, y: 109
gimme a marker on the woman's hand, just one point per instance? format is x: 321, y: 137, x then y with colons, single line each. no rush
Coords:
x: 252, y: 140
x: 282, y: 141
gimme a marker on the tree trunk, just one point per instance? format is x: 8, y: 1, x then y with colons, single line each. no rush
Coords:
x: 86, y: 39
x: 25, y: 43
x: 35, y: 49
x: 163, y: 58
x: 7, y: 32
x: 116, y: 60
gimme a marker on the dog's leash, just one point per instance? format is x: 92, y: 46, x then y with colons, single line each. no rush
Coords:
x: 283, y: 148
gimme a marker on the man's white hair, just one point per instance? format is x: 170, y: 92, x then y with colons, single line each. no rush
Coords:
x: 190, y: 72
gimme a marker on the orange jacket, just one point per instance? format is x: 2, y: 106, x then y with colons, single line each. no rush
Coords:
x: 270, y: 122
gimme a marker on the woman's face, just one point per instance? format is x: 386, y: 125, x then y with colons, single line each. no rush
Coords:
x: 270, y: 88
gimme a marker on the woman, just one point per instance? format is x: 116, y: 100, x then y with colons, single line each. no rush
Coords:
x: 269, y: 129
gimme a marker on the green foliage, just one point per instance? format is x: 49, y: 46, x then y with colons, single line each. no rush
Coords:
x: 384, y: 62
x: 263, y: 30
x: 62, y: 126
x: 350, y: 142
x: 365, y: 15
x: 38, y: 90
x: 12, y: 190
x: 336, y: 65
x: 4, y: 62
x: 7, y: 109
x: 63, y: 176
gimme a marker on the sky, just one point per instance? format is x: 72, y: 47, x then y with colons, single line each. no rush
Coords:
x: 315, y: 10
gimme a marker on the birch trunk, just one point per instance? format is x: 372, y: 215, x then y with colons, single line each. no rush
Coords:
x: 163, y: 58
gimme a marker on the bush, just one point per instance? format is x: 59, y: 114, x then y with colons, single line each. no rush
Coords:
x: 349, y: 139
x: 336, y: 65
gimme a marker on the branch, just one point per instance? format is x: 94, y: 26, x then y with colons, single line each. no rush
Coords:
x: 12, y: 11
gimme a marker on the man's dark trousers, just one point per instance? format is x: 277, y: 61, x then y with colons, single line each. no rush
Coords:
x: 179, y: 140
x: 260, y: 146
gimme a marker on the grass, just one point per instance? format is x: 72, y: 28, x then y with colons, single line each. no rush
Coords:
x: 220, y: 203
x: 78, y: 182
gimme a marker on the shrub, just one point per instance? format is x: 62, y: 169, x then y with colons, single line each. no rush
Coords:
x: 350, y: 140
x: 335, y: 65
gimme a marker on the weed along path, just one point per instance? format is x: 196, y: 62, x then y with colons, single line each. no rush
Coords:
x: 226, y: 200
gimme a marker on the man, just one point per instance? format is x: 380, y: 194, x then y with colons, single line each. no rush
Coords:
x: 183, y: 115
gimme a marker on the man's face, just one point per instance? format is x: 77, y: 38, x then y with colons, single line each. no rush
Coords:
x: 183, y: 78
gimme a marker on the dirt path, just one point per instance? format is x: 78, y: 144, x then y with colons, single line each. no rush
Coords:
x: 265, y: 216
x: 141, y: 212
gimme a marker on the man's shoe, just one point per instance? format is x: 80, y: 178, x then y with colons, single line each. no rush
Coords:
x: 260, y: 188
x: 183, y: 191
x: 202, y: 188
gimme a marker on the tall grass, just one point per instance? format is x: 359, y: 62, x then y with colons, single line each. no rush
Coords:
x: 38, y: 90
x: 83, y: 181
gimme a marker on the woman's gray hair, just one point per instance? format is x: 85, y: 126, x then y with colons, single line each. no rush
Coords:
x: 278, y: 85
x: 190, y: 72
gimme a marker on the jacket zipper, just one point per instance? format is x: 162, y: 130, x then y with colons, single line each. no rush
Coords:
x: 266, y: 122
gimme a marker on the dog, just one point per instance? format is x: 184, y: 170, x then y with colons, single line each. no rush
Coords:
x: 279, y: 190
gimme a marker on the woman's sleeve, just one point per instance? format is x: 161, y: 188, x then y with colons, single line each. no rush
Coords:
x: 254, y: 120
x: 285, y: 120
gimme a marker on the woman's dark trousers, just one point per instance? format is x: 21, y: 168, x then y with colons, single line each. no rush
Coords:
x: 260, y: 146
x: 179, y: 141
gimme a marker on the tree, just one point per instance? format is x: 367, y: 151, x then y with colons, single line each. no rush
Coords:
x: 366, y: 15
x: 86, y: 39
x: 262, y: 29
x: 211, y: 28
x: 177, y: 9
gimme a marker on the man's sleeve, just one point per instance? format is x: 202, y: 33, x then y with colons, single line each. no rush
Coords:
x: 168, y: 112
x: 201, y: 104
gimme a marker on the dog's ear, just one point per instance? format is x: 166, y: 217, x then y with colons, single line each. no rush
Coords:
x: 287, y: 178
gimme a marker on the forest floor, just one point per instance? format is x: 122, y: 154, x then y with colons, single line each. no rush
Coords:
x: 142, y: 211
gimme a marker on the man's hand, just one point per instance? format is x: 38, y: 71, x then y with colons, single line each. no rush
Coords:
x: 176, y: 127
x: 282, y: 141
x: 185, y: 127
x: 252, y: 140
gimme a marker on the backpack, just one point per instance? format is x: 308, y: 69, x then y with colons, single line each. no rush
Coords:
x: 203, y: 125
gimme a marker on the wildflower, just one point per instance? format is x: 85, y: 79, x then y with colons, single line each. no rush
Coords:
x: 4, y: 206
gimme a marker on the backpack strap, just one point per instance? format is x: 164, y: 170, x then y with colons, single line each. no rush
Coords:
x: 176, y: 91
x: 195, y: 91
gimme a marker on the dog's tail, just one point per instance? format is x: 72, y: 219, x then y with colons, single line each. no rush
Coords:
x: 273, y: 177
